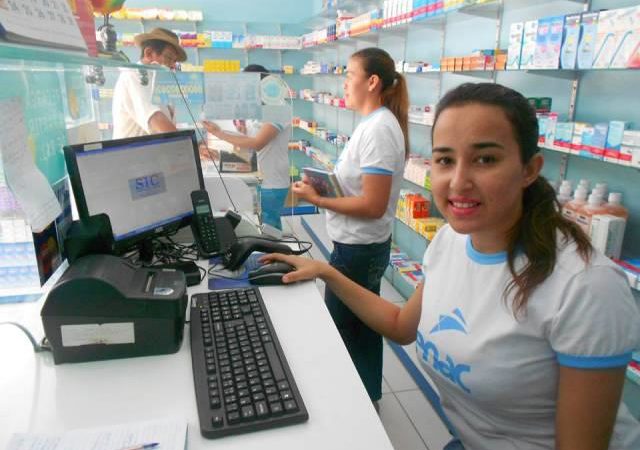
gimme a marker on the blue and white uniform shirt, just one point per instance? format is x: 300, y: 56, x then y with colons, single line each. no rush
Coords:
x: 376, y: 147
x: 498, y: 375
x: 273, y: 159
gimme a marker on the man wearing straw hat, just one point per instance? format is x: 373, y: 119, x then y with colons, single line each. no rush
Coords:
x: 134, y: 113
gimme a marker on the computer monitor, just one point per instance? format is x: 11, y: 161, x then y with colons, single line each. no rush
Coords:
x: 143, y: 184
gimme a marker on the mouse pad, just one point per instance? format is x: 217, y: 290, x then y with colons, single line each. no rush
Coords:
x: 233, y: 278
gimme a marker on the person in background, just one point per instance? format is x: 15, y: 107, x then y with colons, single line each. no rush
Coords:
x: 134, y: 113
x: 523, y: 326
x: 271, y: 142
x: 369, y: 171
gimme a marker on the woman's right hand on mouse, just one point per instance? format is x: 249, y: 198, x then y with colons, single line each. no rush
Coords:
x: 306, y: 269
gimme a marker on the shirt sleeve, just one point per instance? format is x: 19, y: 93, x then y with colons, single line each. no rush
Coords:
x: 378, y: 152
x: 598, y: 324
x: 142, y: 107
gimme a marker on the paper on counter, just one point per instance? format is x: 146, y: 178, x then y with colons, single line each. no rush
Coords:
x: 28, y: 184
x: 170, y: 434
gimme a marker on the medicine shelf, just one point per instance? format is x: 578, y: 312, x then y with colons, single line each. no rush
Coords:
x: 45, y: 59
x: 487, y: 9
x: 350, y: 110
x: 597, y: 161
x: 317, y: 136
x: 400, y: 220
x: 413, y: 183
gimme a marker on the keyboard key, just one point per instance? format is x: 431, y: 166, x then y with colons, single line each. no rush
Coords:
x: 214, y: 403
x: 274, y: 361
x: 262, y: 411
x: 233, y: 417
x: 217, y: 421
x: 248, y: 412
x: 276, y: 408
x: 290, y: 405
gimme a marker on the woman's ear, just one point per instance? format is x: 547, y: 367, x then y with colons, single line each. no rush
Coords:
x: 532, y: 169
x: 374, y: 81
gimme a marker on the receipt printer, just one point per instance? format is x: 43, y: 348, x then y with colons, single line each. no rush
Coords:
x: 103, y: 307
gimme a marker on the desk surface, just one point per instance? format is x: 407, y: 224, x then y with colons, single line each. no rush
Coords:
x: 38, y: 396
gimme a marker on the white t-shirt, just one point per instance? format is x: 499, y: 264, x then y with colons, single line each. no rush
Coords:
x: 497, y: 376
x: 273, y: 159
x: 132, y: 105
x: 376, y: 147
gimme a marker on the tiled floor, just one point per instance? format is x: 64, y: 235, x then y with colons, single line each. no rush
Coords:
x: 406, y: 414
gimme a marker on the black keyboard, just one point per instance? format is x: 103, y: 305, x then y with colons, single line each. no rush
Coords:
x: 242, y: 380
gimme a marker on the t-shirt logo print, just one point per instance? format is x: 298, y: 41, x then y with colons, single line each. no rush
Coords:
x: 431, y: 354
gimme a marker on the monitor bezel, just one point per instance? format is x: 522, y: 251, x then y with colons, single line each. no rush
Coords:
x: 126, y: 244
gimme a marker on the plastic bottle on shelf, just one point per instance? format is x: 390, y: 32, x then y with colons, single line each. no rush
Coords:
x: 601, y: 189
x: 614, y: 206
x: 571, y: 208
x: 584, y: 183
x: 595, y: 205
x: 564, y: 193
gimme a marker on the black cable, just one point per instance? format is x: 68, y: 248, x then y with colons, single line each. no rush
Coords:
x: 203, y: 139
x: 37, y: 348
x: 293, y: 240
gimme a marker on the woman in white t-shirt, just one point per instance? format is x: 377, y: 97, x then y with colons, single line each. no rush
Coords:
x: 369, y: 171
x: 525, y: 329
x: 271, y: 142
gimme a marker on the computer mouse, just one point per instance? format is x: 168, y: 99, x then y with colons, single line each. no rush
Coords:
x: 269, y: 274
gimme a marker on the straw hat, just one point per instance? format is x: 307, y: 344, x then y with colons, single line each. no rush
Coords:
x: 164, y: 35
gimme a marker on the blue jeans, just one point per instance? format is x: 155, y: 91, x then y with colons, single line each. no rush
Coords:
x: 365, y: 264
x: 271, y: 203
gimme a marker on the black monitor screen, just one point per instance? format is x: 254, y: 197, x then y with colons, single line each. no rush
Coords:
x: 143, y: 184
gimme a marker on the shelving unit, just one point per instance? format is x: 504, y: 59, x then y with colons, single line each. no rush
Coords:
x: 589, y: 95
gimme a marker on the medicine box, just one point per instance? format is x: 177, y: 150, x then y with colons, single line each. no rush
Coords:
x: 606, y: 40
x: 586, y: 47
x: 569, y: 50
x: 607, y: 234
x: 516, y: 33
x: 529, y: 44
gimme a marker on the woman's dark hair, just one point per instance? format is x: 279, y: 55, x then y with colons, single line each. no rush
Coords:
x: 536, y: 232
x: 257, y: 68
x: 395, y: 95
x: 156, y: 45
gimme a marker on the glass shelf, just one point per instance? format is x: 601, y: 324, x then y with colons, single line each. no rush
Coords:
x: 24, y: 57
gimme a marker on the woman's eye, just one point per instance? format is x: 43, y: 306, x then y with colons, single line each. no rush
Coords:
x: 486, y: 159
x: 443, y: 161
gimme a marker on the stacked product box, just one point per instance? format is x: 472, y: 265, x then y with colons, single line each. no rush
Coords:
x: 410, y: 271
x: 221, y: 65
x: 631, y: 268
x: 633, y: 369
x: 600, y: 40
x: 611, y: 141
x: 630, y: 149
x: 18, y: 264
x: 418, y: 171
x: 422, y: 114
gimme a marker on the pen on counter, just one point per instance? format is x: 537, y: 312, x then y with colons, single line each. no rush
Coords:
x: 142, y: 446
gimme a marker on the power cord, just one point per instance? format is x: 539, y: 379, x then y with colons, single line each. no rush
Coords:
x: 37, y: 348
x: 293, y: 240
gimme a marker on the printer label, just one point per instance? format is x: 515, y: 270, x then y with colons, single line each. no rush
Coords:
x: 147, y: 185
x: 95, y: 334
x: 163, y: 291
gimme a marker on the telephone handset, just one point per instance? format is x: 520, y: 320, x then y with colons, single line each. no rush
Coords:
x: 212, y: 234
